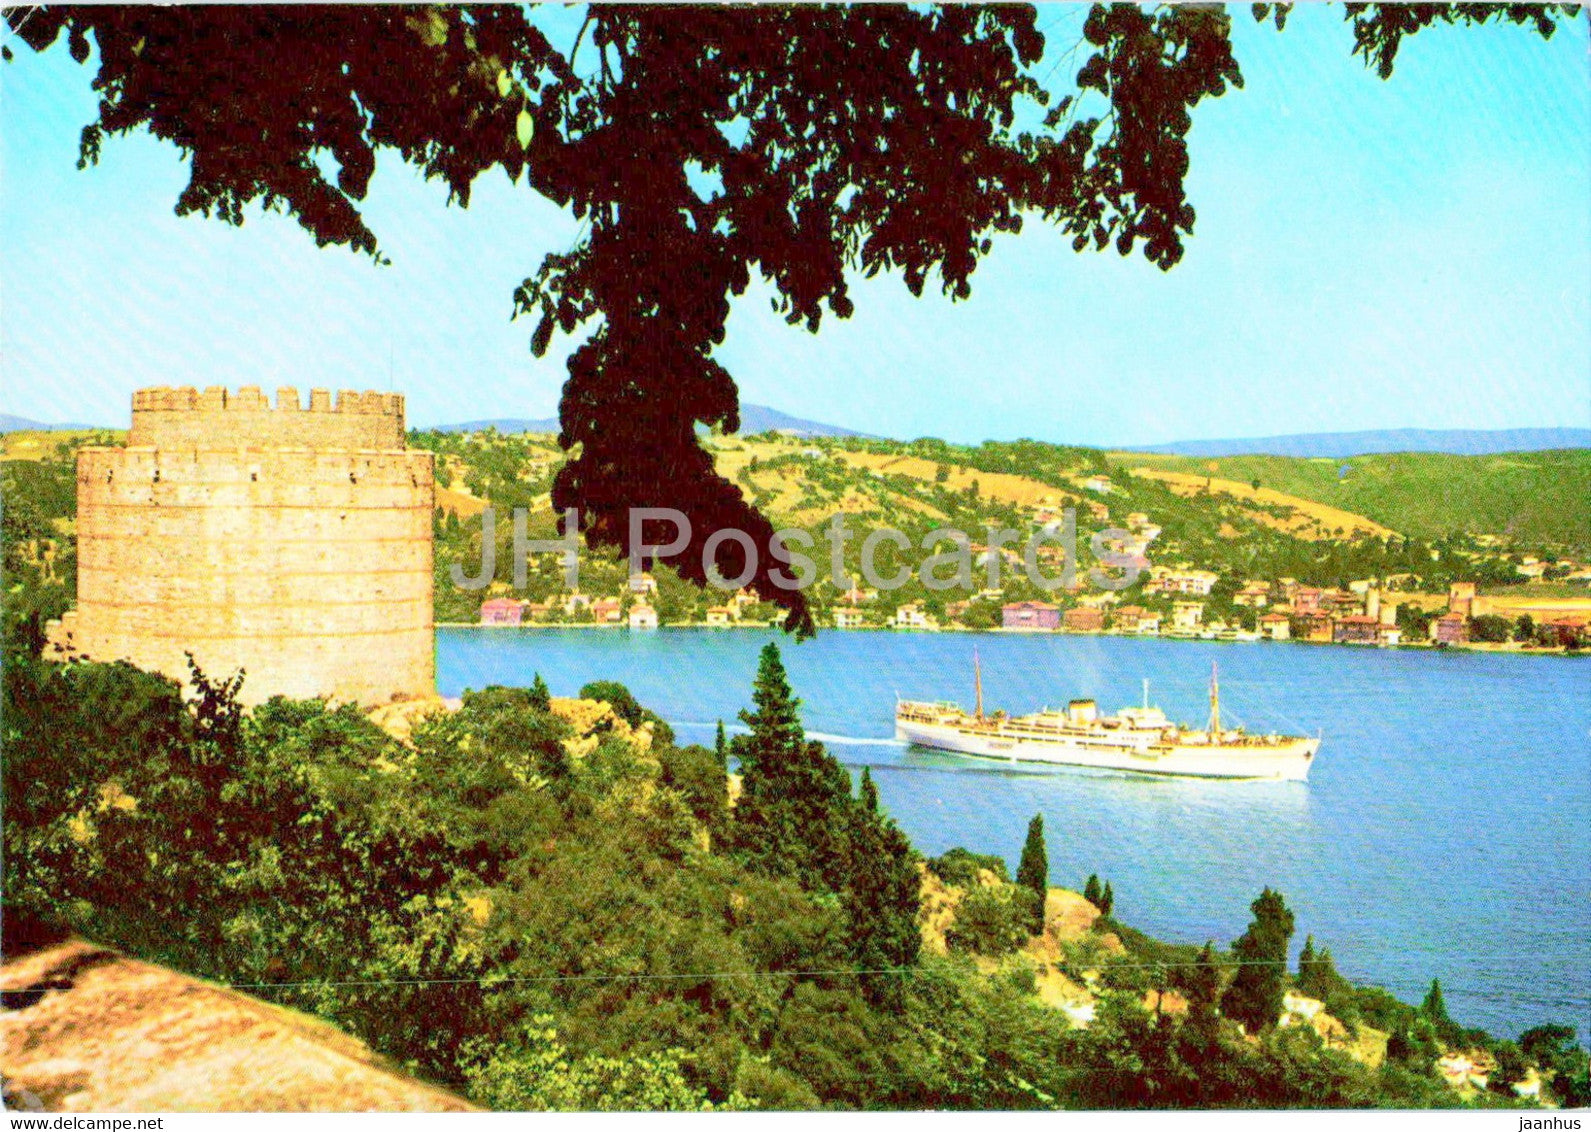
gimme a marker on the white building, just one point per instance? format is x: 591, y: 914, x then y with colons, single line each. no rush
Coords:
x: 847, y: 617
x: 1187, y: 615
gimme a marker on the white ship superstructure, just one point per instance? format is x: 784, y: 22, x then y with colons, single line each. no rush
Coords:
x: 1139, y: 740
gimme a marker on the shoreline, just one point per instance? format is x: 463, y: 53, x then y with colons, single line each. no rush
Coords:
x: 1494, y: 647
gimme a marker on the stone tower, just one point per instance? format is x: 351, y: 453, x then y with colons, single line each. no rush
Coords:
x: 294, y: 544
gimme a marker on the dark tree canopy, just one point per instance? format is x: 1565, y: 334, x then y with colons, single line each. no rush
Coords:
x: 868, y: 138
x: 1033, y: 872
x: 1255, y: 995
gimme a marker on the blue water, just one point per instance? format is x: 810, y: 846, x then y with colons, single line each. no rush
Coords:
x: 1445, y: 831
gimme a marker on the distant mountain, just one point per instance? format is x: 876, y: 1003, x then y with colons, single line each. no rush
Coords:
x: 501, y: 424
x: 1331, y: 445
x: 753, y: 419
x: 8, y: 423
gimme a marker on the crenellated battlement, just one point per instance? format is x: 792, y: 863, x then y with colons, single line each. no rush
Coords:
x: 249, y: 398
x: 215, y: 417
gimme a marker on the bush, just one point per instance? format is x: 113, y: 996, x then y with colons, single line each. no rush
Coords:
x: 627, y: 708
x: 698, y: 774
x: 991, y: 920
x: 960, y: 867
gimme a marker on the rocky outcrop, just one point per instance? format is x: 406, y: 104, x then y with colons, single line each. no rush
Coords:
x: 88, y: 1030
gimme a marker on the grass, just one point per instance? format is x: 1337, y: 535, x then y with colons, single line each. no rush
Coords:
x: 1532, y: 496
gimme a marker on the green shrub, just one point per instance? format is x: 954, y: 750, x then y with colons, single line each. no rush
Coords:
x: 991, y: 920
x: 960, y: 866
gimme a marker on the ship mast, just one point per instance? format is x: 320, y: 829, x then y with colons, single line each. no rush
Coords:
x: 977, y: 683
x: 1215, y: 706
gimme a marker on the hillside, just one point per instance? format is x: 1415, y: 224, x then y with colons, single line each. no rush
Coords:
x: 1388, y: 518
x: 1525, y: 496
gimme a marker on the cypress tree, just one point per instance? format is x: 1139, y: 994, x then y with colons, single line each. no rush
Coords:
x: 1317, y: 974
x: 1091, y: 889
x: 1326, y: 976
x: 540, y: 697
x: 1255, y: 996
x: 721, y: 744
x: 868, y: 792
x: 1202, y: 984
x: 1107, y: 900
x: 1307, y: 973
x: 1033, y: 871
x: 796, y: 817
x: 1435, y: 1008
x: 793, y: 815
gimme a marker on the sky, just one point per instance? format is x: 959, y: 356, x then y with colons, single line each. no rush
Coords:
x: 1413, y: 253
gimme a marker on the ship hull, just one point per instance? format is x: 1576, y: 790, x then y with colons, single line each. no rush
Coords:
x: 1289, y: 760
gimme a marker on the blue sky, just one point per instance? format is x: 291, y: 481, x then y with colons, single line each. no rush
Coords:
x: 1415, y: 253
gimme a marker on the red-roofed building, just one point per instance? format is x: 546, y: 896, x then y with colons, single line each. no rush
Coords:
x: 1085, y: 619
x: 1357, y: 629
x: 1030, y: 615
x: 501, y: 611
x: 1450, y: 629
x: 1306, y: 600
x: 1565, y: 631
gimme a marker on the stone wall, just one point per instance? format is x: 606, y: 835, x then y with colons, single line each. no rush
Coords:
x: 293, y: 544
x: 187, y: 418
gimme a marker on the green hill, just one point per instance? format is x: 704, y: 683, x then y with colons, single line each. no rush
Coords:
x: 1528, y: 497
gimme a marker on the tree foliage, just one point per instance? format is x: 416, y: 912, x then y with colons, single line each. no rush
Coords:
x: 833, y: 139
x: 1254, y: 997
x: 558, y: 933
x: 1033, y: 873
x: 796, y: 817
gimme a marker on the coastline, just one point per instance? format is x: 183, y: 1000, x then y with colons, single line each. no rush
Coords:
x: 1509, y: 648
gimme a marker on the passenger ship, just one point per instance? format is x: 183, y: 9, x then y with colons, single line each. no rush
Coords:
x: 1140, y: 740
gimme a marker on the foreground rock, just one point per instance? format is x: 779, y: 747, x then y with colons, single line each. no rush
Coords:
x: 88, y: 1030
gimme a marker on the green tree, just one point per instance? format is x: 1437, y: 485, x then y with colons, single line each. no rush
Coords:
x: 628, y: 708
x: 1201, y: 983
x: 540, y: 697
x: 961, y: 867
x: 535, y: 1072
x: 1033, y: 872
x: 1091, y: 890
x: 1434, y: 1006
x: 796, y: 818
x: 616, y: 696
x: 868, y: 792
x: 1254, y: 997
x: 1318, y: 977
x: 1107, y: 900
x: 1553, y: 1048
x: 1306, y: 966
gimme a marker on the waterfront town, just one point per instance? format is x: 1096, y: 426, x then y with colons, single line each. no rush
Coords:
x: 1182, y: 601
x: 1363, y: 614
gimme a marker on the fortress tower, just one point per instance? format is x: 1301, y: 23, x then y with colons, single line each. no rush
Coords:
x: 294, y: 544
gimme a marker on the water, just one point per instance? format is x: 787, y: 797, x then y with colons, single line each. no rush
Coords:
x: 1445, y: 831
